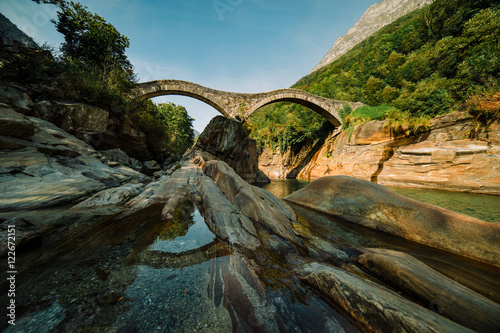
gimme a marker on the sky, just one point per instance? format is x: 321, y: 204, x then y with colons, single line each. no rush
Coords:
x: 245, y: 46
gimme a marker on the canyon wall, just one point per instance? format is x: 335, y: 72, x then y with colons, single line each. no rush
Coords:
x: 455, y: 154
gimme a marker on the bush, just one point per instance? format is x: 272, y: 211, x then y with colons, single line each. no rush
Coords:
x: 401, y: 123
x: 484, y: 104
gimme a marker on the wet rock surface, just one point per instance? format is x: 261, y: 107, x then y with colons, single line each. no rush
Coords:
x: 377, y: 308
x: 21, y: 232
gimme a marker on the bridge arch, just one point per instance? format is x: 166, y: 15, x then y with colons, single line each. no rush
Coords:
x: 147, y: 90
x: 313, y: 102
x: 241, y: 105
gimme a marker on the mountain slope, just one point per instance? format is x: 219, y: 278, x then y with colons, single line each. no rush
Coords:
x: 9, y: 33
x: 376, y: 17
x: 425, y: 64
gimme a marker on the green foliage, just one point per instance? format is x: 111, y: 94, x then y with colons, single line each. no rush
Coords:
x: 402, y: 123
x: 178, y: 226
x: 423, y: 65
x: 179, y: 126
x: 484, y: 104
x: 343, y: 113
x: 27, y: 66
x: 93, y: 65
x: 365, y: 114
x: 90, y: 39
x: 287, y: 126
x: 167, y: 126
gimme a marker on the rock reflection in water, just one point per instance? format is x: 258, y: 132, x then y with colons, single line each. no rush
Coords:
x: 186, y: 231
x: 214, y: 288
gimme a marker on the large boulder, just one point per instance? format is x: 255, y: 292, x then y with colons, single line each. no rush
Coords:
x: 376, y: 308
x: 436, y: 291
x: 15, y: 124
x: 227, y: 140
x: 43, y: 166
x: 374, y: 206
x: 234, y: 210
x: 254, y: 202
x: 150, y: 167
x: 15, y: 96
x: 79, y: 119
x: 121, y: 133
x: 119, y: 156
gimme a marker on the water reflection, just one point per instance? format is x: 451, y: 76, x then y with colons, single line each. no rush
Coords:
x: 186, y: 231
x: 142, y: 274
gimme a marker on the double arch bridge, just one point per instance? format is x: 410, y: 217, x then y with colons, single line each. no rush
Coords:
x: 240, y: 105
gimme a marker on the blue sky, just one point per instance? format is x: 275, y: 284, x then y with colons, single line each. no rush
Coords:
x: 232, y: 45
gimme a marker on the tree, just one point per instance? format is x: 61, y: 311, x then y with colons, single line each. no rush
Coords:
x: 179, y: 126
x: 89, y: 38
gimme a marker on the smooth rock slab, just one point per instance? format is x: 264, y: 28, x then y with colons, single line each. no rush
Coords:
x: 374, y: 206
x: 439, y: 293
x: 374, y: 307
x: 254, y: 202
x: 42, y: 166
x: 112, y: 196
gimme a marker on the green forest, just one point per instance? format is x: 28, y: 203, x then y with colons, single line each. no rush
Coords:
x: 444, y: 57
x: 91, y: 66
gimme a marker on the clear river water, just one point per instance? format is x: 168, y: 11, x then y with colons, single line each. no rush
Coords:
x: 143, y: 274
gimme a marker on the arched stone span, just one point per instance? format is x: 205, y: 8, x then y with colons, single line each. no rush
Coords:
x: 240, y: 105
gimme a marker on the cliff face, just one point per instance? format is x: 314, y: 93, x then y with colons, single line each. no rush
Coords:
x: 376, y: 17
x: 452, y: 155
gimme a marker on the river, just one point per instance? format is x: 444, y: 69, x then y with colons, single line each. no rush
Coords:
x: 143, y: 274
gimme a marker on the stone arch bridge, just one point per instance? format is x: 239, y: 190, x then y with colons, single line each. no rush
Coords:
x: 240, y: 105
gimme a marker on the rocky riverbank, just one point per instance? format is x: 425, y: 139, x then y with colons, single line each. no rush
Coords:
x: 254, y: 222
x: 273, y: 247
x: 454, y: 154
